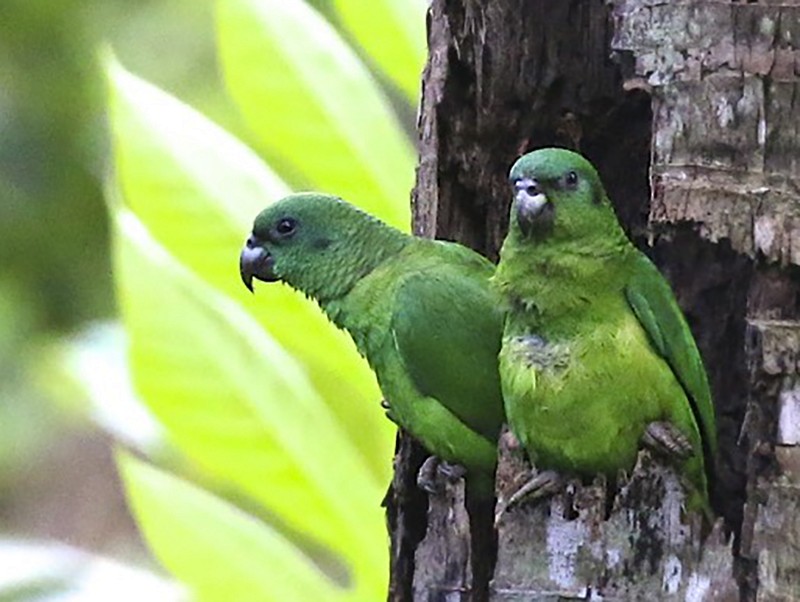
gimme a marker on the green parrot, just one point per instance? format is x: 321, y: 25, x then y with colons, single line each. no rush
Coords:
x: 596, y: 355
x: 420, y: 311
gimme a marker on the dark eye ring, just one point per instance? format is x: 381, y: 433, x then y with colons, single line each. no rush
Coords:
x: 532, y: 190
x: 285, y: 226
x: 572, y: 178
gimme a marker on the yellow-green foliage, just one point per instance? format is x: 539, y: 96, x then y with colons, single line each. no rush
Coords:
x: 261, y: 394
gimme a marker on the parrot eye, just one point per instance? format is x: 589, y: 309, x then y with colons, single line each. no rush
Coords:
x: 571, y: 179
x: 286, y: 226
x: 532, y: 190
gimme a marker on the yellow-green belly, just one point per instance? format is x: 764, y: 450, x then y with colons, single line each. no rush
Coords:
x: 586, y: 413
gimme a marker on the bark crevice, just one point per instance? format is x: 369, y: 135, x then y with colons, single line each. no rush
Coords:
x: 691, y: 112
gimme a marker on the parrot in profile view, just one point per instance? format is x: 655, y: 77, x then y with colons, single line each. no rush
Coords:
x: 420, y: 311
x: 596, y: 355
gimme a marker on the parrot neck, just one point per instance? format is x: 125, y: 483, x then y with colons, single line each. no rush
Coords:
x: 365, y: 249
x: 558, y: 280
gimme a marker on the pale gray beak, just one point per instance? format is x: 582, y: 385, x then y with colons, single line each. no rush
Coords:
x: 533, y: 208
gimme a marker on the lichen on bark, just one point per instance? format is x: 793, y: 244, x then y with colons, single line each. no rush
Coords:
x: 691, y: 112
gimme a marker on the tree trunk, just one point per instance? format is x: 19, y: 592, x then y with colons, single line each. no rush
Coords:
x: 691, y: 112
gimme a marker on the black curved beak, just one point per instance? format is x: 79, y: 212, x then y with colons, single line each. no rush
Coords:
x: 534, y: 211
x: 255, y: 262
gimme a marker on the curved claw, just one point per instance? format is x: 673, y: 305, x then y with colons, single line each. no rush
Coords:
x: 665, y: 439
x: 542, y: 484
x: 451, y: 472
x: 426, y: 477
x: 433, y: 470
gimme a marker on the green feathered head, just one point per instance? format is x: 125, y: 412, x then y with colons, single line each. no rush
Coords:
x: 316, y: 243
x: 557, y: 195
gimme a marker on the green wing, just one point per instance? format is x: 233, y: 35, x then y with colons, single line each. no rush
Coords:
x: 651, y: 299
x: 449, y: 312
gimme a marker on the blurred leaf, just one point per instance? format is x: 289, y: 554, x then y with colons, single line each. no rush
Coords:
x: 51, y: 571
x: 392, y: 34
x: 242, y: 408
x: 220, y: 552
x: 198, y: 189
x: 48, y: 189
x: 219, y: 177
x: 96, y: 360
x: 314, y: 106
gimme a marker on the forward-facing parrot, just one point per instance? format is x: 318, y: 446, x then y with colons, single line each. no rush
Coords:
x: 420, y: 311
x: 596, y: 355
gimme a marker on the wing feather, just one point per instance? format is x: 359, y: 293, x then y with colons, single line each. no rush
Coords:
x: 448, y: 312
x: 654, y: 305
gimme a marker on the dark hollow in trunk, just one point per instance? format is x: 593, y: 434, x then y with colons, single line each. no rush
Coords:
x: 690, y: 112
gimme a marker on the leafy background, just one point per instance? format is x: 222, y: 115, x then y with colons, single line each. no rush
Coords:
x: 139, y: 140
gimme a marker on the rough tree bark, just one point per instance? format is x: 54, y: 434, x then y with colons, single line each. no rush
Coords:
x: 691, y: 112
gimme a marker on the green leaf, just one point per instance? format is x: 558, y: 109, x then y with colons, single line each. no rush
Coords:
x: 219, y: 177
x: 392, y: 34
x: 197, y: 189
x: 220, y: 552
x: 237, y: 404
x: 316, y: 109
